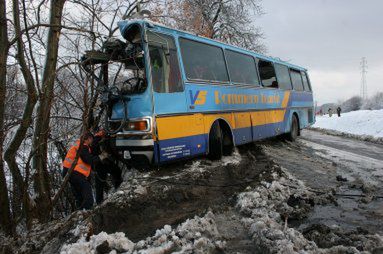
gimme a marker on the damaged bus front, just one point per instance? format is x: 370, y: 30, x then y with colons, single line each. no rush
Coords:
x: 123, y: 74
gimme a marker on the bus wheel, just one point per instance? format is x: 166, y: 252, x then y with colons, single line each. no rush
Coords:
x: 294, y: 129
x: 215, y: 142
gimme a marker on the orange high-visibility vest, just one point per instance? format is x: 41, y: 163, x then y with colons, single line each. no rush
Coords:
x: 81, y: 166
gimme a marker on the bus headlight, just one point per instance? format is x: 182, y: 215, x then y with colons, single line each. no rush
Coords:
x: 138, y: 125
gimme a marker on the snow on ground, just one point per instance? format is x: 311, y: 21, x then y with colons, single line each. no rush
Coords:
x: 234, y: 159
x: 362, y: 122
x: 197, y: 235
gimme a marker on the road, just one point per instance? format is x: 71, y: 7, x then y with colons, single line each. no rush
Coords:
x: 350, y: 168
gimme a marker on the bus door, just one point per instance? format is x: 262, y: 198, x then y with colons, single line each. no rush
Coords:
x: 168, y: 96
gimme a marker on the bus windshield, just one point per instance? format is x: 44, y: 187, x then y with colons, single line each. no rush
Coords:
x: 121, y: 65
x: 127, y: 71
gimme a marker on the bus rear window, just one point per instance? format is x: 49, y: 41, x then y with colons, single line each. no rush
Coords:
x: 267, y: 74
x: 242, y: 68
x: 283, y: 75
x: 296, y: 78
x: 203, y: 62
x: 306, y: 83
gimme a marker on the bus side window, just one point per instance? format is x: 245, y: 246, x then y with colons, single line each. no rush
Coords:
x: 283, y: 76
x: 267, y: 74
x: 166, y: 75
x: 203, y: 61
x: 242, y: 68
x: 306, y: 82
x: 296, y: 78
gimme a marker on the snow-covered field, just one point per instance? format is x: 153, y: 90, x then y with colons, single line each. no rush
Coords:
x: 362, y: 123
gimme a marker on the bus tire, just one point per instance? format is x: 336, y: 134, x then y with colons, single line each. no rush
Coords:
x: 227, y: 139
x: 294, y: 129
x: 215, y: 142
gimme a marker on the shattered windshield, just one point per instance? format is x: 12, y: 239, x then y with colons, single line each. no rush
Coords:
x: 128, y: 80
x: 126, y: 68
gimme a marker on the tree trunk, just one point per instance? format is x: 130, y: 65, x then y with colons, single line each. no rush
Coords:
x: 41, y: 132
x: 21, y: 191
x: 5, y: 214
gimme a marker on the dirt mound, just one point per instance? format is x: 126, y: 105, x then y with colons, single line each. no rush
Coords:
x: 154, y: 200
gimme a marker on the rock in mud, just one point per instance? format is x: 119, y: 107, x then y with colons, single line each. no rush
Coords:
x: 103, y: 248
x: 340, y: 178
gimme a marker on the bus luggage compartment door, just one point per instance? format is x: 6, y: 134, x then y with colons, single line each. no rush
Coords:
x: 180, y: 136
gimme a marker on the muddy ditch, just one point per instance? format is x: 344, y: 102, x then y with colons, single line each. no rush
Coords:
x: 183, y: 191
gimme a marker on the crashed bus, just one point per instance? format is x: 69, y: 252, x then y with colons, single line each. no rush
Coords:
x: 169, y: 94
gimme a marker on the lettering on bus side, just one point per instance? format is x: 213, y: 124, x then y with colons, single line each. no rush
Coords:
x: 198, y: 98
x: 245, y: 98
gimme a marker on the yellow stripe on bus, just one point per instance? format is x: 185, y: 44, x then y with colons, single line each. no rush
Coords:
x: 286, y: 99
x: 197, y: 124
x: 267, y: 117
x: 177, y: 127
x: 210, y: 119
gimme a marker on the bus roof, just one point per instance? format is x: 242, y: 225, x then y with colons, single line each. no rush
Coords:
x: 124, y: 25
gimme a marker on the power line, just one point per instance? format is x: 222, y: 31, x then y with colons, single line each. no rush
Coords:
x: 363, y: 85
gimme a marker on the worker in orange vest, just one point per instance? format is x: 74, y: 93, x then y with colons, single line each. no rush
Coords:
x: 80, y: 177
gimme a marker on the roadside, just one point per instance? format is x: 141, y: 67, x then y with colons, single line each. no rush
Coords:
x: 367, y: 138
x: 365, y: 125
x: 349, y: 169
x: 268, y: 197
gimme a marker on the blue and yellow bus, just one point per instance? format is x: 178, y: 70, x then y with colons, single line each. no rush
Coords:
x: 176, y: 95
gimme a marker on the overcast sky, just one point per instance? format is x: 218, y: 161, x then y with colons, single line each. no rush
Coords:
x: 329, y: 38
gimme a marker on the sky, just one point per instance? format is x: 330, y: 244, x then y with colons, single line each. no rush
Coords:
x: 329, y: 38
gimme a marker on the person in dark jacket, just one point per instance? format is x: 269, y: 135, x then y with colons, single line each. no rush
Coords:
x: 108, y: 166
x: 80, y: 176
x: 338, y: 110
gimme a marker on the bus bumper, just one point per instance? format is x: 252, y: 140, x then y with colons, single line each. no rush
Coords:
x: 137, y: 151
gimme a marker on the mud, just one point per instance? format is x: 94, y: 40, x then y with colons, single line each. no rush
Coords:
x: 268, y: 197
x: 327, y: 237
x: 345, y: 174
x: 172, y: 195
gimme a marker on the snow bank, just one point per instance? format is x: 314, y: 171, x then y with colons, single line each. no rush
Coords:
x: 116, y: 241
x: 265, y: 209
x: 362, y: 122
x: 197, y: 235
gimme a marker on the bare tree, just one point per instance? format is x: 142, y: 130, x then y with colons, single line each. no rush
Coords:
x: 20, y: 192
x: 229, y: 21
x: 375, y: 102
x: 41, y: 130
x: 352, y: 104
x: 5, y: 214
